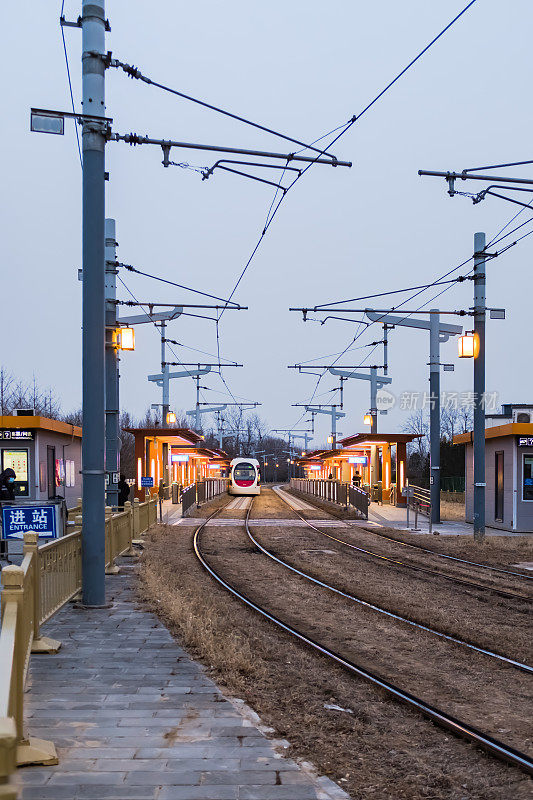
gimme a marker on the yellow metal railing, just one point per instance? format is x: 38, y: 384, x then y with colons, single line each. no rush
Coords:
x: 49, y: 576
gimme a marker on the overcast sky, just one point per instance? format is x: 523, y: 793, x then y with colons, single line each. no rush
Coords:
x: 302, y: 68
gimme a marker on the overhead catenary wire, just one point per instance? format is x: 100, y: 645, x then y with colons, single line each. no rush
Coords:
x: 70, y: 83
x: 133, y: 72
x: 154, y: 323
x: 326, y: 306
x: 343, y: 130
x: 137, y: 271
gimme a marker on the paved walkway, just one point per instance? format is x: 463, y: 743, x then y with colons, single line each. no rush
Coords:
x: 133, y: 717
x: 394, y: 517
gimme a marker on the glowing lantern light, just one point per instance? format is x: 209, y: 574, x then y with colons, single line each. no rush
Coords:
x: 125, y: 338
x: 468, y: 346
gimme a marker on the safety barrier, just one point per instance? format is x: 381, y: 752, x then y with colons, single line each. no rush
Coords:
x: 201, y: 492
x: 419, y: 500
x: 335, y: 492
x: 49, y: 576
x: 209, y: 488
x: 188, y: 499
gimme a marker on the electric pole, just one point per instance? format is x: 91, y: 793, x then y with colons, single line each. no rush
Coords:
x: 165, y: 375
x: 438, y: 332
x: 112, y: 407
x: 93, y: 242
x: 332, y: 412
x: 479, y: 387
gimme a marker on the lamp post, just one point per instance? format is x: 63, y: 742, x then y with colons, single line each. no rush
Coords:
x: 438, y: 332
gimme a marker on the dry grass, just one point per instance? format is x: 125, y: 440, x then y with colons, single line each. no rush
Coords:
x: 379, y: 751
x: 201, y: 624
x: 452, y: 511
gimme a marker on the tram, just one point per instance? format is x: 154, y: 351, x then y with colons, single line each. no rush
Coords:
x: 244, y: 476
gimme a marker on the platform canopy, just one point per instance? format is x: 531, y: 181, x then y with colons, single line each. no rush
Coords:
x: 174, y: 455
x: 367, y: 459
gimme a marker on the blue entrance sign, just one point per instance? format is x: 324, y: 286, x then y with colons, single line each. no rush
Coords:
x: 147, y: 482
x: 18, y: 520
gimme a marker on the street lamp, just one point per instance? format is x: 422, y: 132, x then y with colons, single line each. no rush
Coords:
x: 125, y: 338
x: 171, y: 418
x: 468, y: 345
x: 367, y: 419
x: 330, y: 439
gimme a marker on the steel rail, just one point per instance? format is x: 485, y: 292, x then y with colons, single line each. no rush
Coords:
x: 445, y: 555
x: 434, y: 553
x: 436, y: 715
x: 517, y: 664
x: 452, y: 578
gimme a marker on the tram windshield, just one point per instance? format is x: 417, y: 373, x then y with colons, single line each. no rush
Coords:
x: 244, y: 472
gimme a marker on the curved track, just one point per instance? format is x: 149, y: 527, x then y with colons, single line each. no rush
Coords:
x: 398, y: 562
x: 494, y: 746
x: 517, y: 664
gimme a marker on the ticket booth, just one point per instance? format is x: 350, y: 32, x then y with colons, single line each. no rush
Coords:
x: 508, y: 469
x: 45, y: 455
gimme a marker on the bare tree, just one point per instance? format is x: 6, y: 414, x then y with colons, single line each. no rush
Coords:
x: 6, y: 390
x: 417, y: 424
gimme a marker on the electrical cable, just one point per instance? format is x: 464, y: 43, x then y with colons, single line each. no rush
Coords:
x: 131, y: 268
x: 133, y: 72
x: 496, y: 241
x: 70, y: 84
x: 154, y: 323
x: 460, y: 279
x: 344, y: 129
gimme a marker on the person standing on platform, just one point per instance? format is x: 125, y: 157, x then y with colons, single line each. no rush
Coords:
x: 7, y: 494
x: 123, y: 491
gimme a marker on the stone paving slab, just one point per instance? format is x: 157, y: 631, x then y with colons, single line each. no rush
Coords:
x: 133, y: 717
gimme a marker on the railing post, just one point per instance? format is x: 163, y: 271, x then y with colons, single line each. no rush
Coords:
x: 8, y: 757
x: 29, y: 751
x: 128, y: 509
x: 111, y: 567
x: 136, y: 518
x: 13, y: 592
x: 40, y: 644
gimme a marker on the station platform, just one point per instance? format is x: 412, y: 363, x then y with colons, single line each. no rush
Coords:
x: 389, y: 516
x: 133, y: 717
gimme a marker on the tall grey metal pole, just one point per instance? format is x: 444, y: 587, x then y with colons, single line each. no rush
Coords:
x: 434, y: 413
x: 165, y: 370
x: 220, y: 431
x: 112, y: 408
x: 198, y: 415
x: 334, y: 428
x: 479, y: 387
x: 93, y: 257
x: 374, y: 399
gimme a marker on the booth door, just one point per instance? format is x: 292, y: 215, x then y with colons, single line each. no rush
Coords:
x: 51, y: 471
x: 498, y: 486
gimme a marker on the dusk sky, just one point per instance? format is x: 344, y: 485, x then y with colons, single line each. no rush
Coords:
x: 302, y: 68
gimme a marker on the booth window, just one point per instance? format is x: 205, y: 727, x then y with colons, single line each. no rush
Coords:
x: 527, y: 478
x: 18, y: 461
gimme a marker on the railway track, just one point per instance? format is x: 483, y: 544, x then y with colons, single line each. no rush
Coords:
x: 429, y: 551
x: 438, y: 716
x: 403, y: 564
x: 511, y: 662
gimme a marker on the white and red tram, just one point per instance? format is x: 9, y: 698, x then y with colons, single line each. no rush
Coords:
x: 244, y: 476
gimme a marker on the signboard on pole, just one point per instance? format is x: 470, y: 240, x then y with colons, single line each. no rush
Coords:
x: 18, y: 520
x: 147, y: 481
